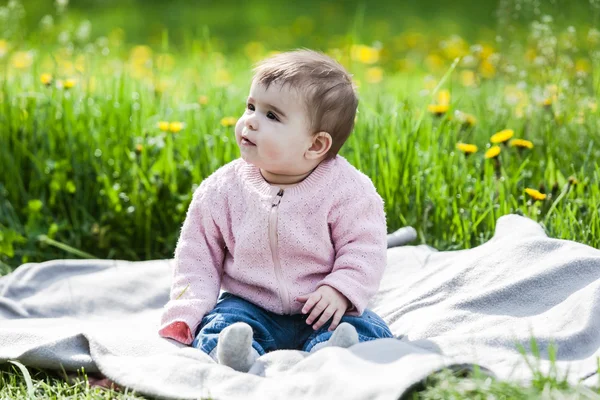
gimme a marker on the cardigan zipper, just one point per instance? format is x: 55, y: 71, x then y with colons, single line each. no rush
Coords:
x: 273, y: 239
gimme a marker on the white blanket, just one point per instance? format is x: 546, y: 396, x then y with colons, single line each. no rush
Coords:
x: 446, y: 309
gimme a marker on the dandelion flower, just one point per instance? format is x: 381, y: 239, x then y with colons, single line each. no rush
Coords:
x: 502, y: 136
x: 69, y: 83
x: 438, y: 109
x: 46, y: 79
x: 22, y: 59
x: 535, y: 194
x: 466, y: 148
x: 228, y: 121
x: 443, y: 97
x: 487, y: 69
x: 467, y: 78
x: 176, y: 126
x: 203, y: 100
x: 573, y: 181
x: 364, y: 54
x: 374, y: 75
x: 521, y: 143
x: 163, y: 125
x: 547, y: 102
x: 492, y: 152
x: 139, y: 148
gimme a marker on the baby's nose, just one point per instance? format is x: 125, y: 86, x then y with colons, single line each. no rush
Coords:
x: 251, y: 123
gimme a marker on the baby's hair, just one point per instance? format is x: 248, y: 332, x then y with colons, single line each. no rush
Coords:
x: 329, y: 94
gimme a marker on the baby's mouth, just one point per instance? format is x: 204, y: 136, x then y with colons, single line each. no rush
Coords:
x: 246, y: 142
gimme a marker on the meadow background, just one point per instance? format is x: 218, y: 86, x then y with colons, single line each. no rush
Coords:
x: 112, y: 112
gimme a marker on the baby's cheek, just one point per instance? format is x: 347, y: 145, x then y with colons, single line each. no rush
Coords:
x: 238, y: 128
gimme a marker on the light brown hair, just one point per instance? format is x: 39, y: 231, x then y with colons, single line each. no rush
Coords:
x: 329, y: 94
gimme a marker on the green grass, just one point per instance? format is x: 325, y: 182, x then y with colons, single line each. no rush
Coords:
x: 86, y: 171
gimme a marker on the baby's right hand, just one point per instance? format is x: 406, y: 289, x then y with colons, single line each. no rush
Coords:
x: 326, y: 302
x: 179, y: 331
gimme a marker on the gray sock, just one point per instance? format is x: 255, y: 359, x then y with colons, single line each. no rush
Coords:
x: 234, y: 348
x: 344, y: 335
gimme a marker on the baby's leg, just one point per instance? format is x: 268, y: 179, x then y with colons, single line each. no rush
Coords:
x: 352, y: 329
x: 235, y: 333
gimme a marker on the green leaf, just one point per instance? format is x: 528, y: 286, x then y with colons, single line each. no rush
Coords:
x: 35, y: 205
x: 70, y: 187
x: 27, y: 377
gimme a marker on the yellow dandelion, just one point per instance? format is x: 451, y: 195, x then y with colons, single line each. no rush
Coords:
x: 547, y: 102
x: 46, y: 79
x: 139, y: 148
x: 467, y: 148
x: 69, y: 83
x: 487, y: 69
x: 583, y: 65
x: 203, y: 100
x: 364, y: 54
x: 374, y: 75
x: 467, y: 78
x: 493, y: 152
x: 140, y: 54
x: 434, y: 62
x: 443, y: 97
x: 573, y: 181
x: 438, y: 109
x: 535, y: 194
x: 22, y: 59
x: 176, y: 126
x: 228, y: 121
x: 163, y: 125
x: 502, y: 136
x: 521, y: 143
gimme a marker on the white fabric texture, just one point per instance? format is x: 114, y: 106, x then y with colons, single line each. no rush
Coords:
x: 446, y: 309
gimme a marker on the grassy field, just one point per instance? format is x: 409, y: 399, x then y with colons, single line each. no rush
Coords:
x: 108, y: 124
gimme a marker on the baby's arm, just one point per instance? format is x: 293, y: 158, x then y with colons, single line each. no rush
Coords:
x: 359, y: 234
x: 197, y: 273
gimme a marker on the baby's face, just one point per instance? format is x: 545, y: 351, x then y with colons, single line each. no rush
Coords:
x: 276, y: 123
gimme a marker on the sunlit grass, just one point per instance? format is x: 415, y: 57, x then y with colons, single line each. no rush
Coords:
x: 104, y: 141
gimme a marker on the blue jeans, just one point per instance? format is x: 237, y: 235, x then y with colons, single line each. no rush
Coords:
x: 273, y: 331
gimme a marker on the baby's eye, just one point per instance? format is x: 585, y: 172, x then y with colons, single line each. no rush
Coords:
x: 270, y: 115
x: 250, y: 107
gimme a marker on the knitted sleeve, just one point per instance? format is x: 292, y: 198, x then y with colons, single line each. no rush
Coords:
x: 359, y: 234
x: 199, y: 257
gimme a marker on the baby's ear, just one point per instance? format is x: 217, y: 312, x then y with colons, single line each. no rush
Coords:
x: 322, y: 142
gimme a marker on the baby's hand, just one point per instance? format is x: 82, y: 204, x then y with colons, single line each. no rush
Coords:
x: 326, y: 302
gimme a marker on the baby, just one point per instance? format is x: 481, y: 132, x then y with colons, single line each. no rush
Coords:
x: 291, y: 231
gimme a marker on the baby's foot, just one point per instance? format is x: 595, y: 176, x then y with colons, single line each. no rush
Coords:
x: 344, y: 335
x: 234, y: 348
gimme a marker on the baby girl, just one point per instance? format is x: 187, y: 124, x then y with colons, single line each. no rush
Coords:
x: 291, y: 231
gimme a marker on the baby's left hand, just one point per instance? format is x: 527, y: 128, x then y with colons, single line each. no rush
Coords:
x: 326, y: 302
